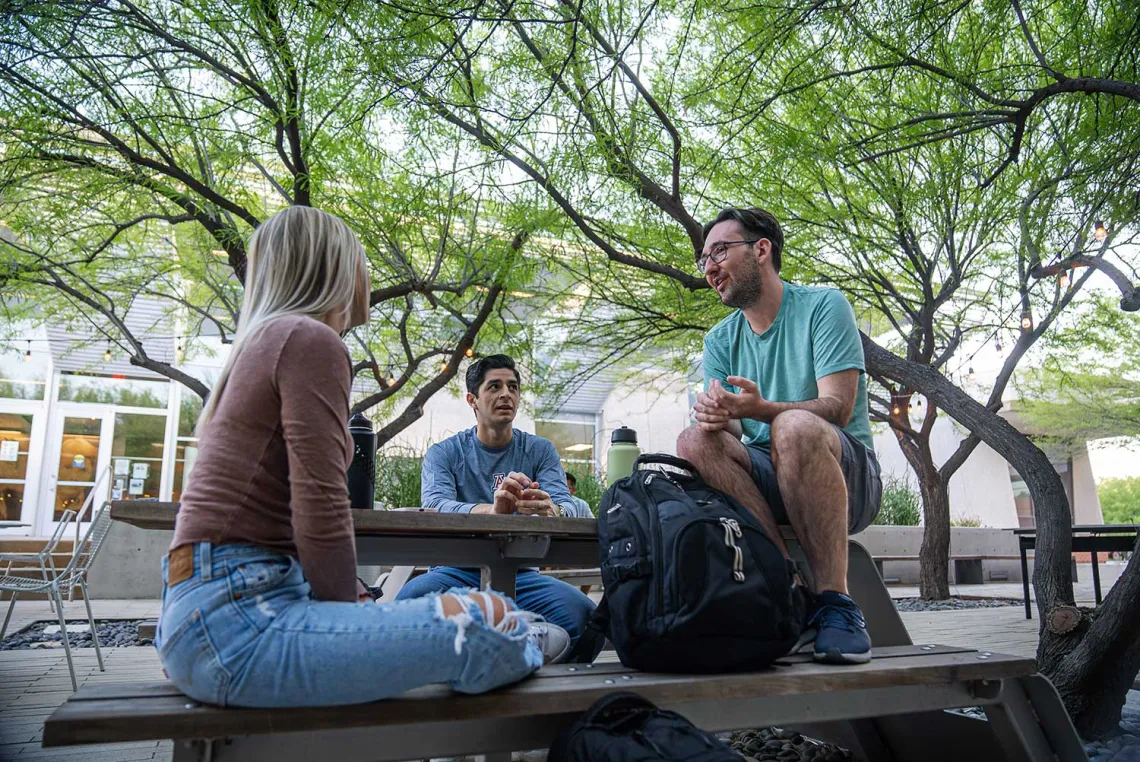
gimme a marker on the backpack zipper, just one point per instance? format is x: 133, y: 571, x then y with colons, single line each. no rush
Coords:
x: 731, y: 533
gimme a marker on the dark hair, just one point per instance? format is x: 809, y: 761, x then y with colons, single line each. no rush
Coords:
x: 477, y: 371
x: 757, y: 223
x: 571, y: 479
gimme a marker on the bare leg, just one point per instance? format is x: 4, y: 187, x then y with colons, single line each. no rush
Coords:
x: 806, y: 453
x: 724, y: 463
x: 452, y: 607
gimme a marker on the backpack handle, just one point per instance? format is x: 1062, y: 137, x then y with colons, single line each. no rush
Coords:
x: 665, y: 459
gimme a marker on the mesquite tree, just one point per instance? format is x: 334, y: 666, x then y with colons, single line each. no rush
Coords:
x: 144, y: 142
x: 605, y: 108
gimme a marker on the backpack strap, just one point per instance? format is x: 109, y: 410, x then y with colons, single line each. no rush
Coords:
x: 664, y: 459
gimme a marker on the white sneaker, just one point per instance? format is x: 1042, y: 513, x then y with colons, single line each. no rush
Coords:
x: 552, y: 640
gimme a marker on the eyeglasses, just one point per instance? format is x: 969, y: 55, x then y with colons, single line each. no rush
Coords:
x: 719, y: 252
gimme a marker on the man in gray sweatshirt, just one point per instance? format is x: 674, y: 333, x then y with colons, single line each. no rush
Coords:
x: 495, y: 468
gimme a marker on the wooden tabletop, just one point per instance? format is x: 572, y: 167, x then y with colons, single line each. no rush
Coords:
x: 147, y: 514
x: 1091, y: 529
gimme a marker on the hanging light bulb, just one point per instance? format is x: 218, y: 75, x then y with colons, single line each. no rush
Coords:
x: 971, y: 375
x: 470, y: 352
x: 391, y: 380
x: 1064, y: 279
x: 896, y: 409
x: 443, y: 366
x: 1026, y: 321
x: 179, y: 350
x: 28, y: 354
x: 997, y: 345
x: 107, y: 354
x: 1100, y: 232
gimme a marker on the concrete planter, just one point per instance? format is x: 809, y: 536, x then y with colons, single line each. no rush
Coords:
x: 999, y: 545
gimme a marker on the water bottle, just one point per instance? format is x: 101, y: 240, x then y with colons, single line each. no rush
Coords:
x: 362, y: 472
x: 622, y: 453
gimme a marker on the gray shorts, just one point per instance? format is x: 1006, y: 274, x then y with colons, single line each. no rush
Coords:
x: 860, y: 471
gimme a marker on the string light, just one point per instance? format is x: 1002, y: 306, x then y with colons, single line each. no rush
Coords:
x: 1064, y: 279
x: 971, y: 375
x: 470, y: 352
x: 896, y: 409
x: 28, y: 354
x: 1100, y: 232
x: 391, y: 380
x: 107, y: 354
x: 179, y: 350
x: 997, y: 345
x: 443, y: 366
x: 1026, y: 321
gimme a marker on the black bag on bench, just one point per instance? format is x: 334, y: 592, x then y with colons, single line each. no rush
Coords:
x: 692, y: 582
x: 624, y: 727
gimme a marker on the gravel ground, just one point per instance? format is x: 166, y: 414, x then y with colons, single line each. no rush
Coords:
x: 114, y: 633
x: 776, y: 745
x: 954, y: 604
x: 1125, y: 745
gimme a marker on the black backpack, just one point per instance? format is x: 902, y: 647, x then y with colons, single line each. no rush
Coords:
x: 692, y: 581
x: 624, y: 727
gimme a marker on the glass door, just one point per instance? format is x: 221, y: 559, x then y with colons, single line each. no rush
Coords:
x: 83, y: 447
x: 17, y: 475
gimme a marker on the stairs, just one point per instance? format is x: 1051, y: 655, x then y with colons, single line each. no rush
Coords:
x: 31, y: 568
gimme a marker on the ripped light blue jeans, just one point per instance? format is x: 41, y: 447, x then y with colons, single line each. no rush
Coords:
x: 244, y: 630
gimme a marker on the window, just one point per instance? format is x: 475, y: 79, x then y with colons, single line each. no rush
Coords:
x: 128, y: 392
x: 573, y: 437
x: 186, y: 446
x: 23, y: 379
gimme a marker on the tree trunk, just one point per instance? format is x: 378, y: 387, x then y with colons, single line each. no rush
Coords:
x: 934, y: 557
x: 1093, y: 665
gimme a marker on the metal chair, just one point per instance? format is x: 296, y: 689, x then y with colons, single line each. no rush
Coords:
x: 73, y: 574
x: 45, y: 557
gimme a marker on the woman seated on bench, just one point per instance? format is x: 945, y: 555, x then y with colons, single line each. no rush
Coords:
x: 261, y: 603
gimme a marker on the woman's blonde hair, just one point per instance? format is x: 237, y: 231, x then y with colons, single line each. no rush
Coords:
x: 300, y: 261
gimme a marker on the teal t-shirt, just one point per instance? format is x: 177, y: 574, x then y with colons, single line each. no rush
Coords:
x: 814, y: 335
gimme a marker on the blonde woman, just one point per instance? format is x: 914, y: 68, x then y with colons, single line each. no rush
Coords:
x: 261, y: 605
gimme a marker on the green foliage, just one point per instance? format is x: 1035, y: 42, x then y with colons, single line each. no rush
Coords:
x: 901, y: 505
x: 1090, y: 388
x: 1120, y: 500
x: 398, y: 475
x: 590, y: 488
x: 966, y: 521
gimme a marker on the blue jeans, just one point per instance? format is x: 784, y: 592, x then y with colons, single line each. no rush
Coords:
x: 554, y: 600
x: 244, y: 630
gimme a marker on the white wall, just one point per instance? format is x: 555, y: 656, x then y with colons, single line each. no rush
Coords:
x: 657, y: 409
x: 980, y: 489
x: 1086, y: 503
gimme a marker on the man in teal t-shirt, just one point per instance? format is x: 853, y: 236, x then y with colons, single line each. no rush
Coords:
x: 782, y: 425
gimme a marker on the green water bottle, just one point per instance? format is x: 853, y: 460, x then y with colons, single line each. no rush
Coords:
x: 622, y: 453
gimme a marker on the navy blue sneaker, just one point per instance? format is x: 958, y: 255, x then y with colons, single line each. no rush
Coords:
x: 839, y: 630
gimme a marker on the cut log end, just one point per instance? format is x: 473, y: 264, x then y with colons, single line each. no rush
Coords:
x: 1062, y: 619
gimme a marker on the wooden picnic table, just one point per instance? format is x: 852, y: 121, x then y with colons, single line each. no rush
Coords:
x: 1087, y: 538
x: 501, y: 545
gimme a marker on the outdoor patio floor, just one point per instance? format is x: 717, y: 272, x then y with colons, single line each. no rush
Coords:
x: 33, y: 683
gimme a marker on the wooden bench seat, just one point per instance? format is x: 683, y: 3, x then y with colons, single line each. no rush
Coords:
x: 433, y: 721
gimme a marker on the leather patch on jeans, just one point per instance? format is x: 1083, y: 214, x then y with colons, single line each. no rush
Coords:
x: 179, y: 565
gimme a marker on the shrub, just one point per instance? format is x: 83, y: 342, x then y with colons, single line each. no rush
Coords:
x: 398, y: 472
x: 901, y: 504
x: 1119, y: 500
x: 590, y: 488
x: 966, y: 521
